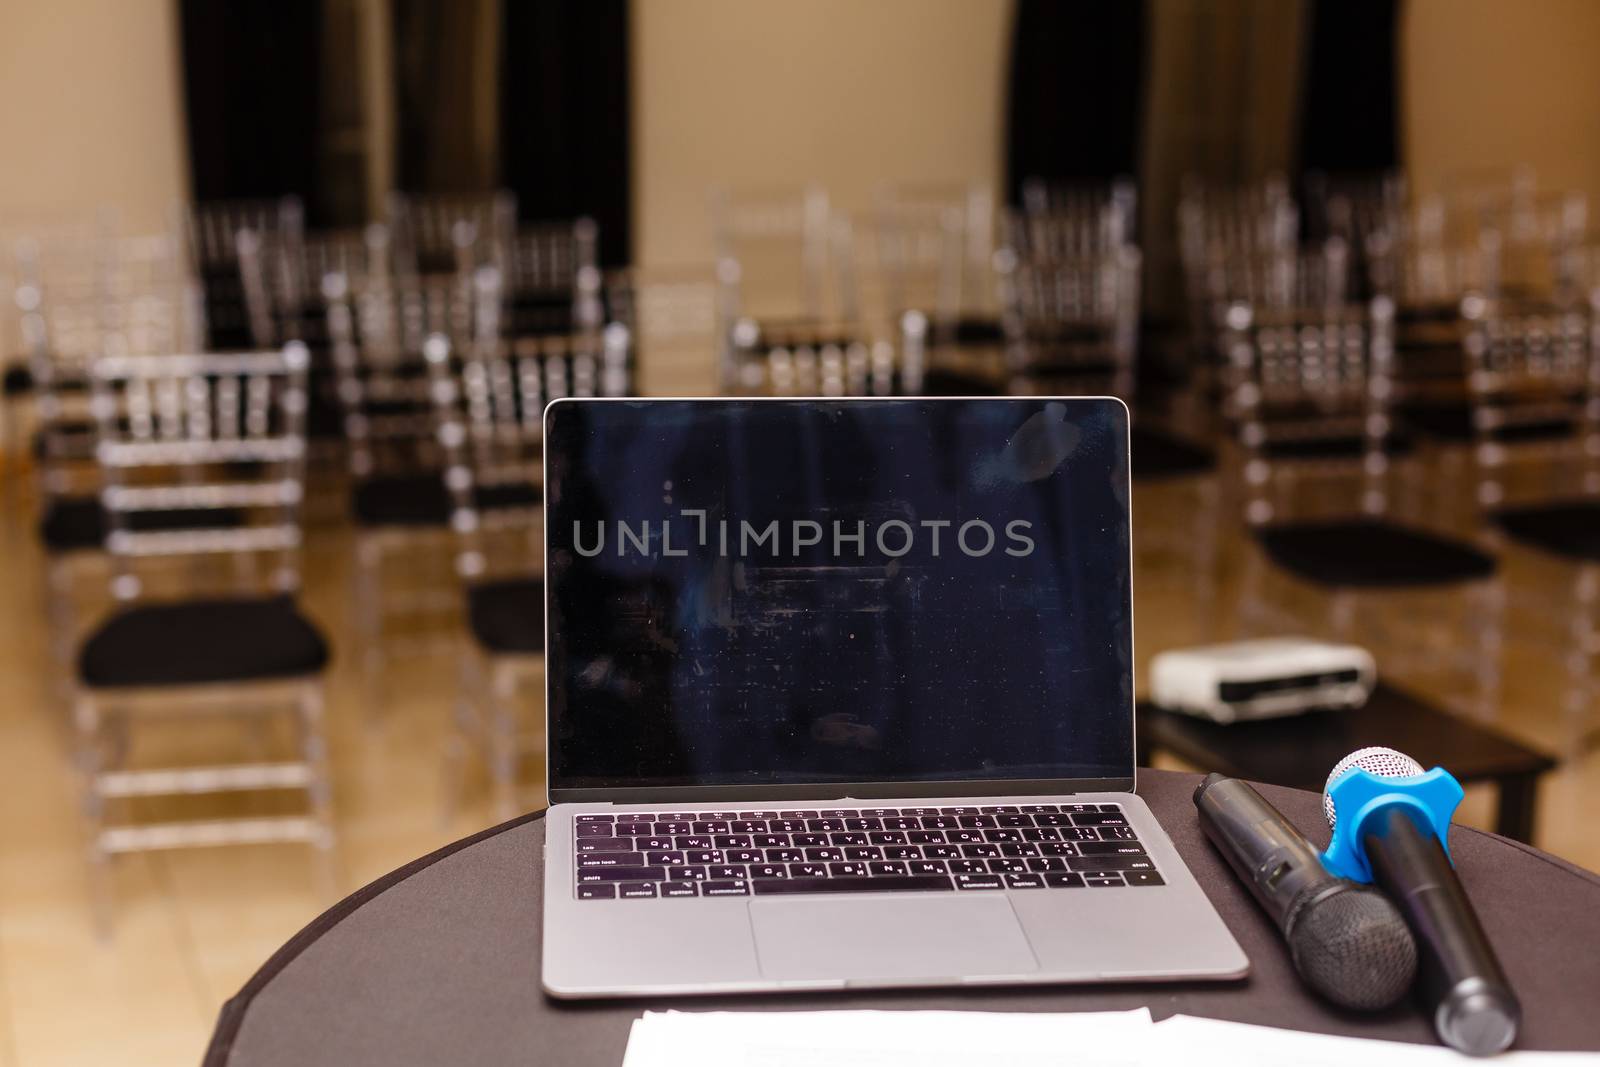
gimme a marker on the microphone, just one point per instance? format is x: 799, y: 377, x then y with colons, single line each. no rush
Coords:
x: 1346, y: 940
x: 1391, y: 818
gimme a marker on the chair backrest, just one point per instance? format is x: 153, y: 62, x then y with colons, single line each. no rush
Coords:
x: 934, y: 245
x: 1075, y: 318
x: 217, y: 438
x: 783, y: 255
x: 1533, y: 380
x: 1309, y: 391
x: 442, y: 233
x: 552, y: 279
x: 376, y: 333
x: 1094, y: 213
x: 489, y: 404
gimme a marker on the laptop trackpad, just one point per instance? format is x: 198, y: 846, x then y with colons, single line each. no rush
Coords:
x: 930, y: 936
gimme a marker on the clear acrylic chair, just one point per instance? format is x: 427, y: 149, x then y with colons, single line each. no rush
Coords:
x: 490, y: 400
x: 444, y: 233
x: 1308, y: 395
x: 935, y: 244
x: 1534, y: 381
x: 552, y: 279
x: 212, y: 230
x: 206, y: 622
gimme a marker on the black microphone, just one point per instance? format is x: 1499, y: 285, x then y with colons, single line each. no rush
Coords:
x: 1462, y: 983
x: 1346, y: 940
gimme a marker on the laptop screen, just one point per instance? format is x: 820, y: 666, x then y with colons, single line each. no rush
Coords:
x: 821, y: 592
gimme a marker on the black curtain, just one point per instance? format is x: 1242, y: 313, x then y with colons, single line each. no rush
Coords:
x: 1076, y: 93
x: 252, y: 86
x: 1349, y: 120
x: 564, y: 115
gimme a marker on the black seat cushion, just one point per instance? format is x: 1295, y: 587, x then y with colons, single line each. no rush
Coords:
x: 947, y: 381
x: 974, y: 331
x: 1158, y: 455
x: 1334, y: 448
x: 1453, y: 422
x: 507, y: 615
x: 401, y: 500
x: 202, y: 642
x: 1366, y: 553
x: 508, y: 495
x: 77, y: 523
x: 18, y: 379
x: 1569, y: 528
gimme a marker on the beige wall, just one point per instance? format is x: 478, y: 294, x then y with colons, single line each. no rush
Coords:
x: 1487, y: 83
x: 90, y: 110
x: 845, y: 93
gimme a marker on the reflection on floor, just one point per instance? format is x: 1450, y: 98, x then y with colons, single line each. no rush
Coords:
x: 192, y: 926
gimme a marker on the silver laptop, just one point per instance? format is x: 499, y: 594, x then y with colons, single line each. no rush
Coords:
x: 840, y: 695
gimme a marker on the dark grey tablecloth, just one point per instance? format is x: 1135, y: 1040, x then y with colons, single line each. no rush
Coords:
x: 439, y: 962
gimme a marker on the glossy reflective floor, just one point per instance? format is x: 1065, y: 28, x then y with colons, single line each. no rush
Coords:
x: 190, y: 927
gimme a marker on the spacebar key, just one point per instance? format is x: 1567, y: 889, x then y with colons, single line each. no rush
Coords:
x: 918, y: 883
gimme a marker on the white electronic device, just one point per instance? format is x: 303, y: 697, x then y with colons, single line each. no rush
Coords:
x: 1262, y: 679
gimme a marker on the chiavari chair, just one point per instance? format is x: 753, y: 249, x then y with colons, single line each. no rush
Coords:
x: 1309, y: 394
x: 1534, y: 381
x: 217, y: 435
x: 1095, y: 212
x: 935, y: 245
x: 445, y: 233
x: 552, y: 279
x: 490, y: 401
x: 212, y: 231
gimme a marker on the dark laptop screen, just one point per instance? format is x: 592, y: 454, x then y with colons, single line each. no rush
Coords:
x: 778, y: 592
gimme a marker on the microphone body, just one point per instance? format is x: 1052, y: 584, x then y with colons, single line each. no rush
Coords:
x: 1346, y: 941
x: 1461, y: 980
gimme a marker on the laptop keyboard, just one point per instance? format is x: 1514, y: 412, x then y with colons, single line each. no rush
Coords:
x: 644, y: 856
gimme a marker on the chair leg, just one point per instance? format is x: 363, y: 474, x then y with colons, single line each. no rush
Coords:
x: 1487, y: 625
x: 466, y: 721
x: 61, y: 620
x: 1582, y: 639
x: 86, y: 729
x: 314, y: 750
x: 502, y: 726
x: 369, y: 619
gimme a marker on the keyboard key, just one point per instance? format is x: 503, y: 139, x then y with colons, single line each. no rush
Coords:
x: 725, y: 816
x: 581, y: 819
x: 848, y: 839
x: 1074, y: 809
x: 1142, y: 878
x: 1043, y: 833
x: 887, y: 837
x: 769, y: 870
x: 854, y: 885
x: 978, y: 881
x: 863, y: 852
x: 1064, y: 881
x: 636, y: 816
x: 744, y: 855
x: 977, y: 822
x: 808, y: 870
x: 984, y: 852
x: 926, y: 837
x: 927, y: 867
x: 597, y: 892
x: 664, y: 859
x: 847, y: 870
x: 787, y: 826
x: 968, y: 867
x: 795, y: 814
x: 1039, y: 866
x: 1083, y: 833
x: 999, y: 809
x: 901, y: 824
x: 1024, y: 881
x: 1103, y: 881
x: 658, y: 844
x: 1057, y: 848
x: 863, y: 824
x: 901, y: 852
x: 670, y: 828
x: 1039, y: 809
x: 840, y: 813
x: 769, y: 840
x: 609, y: 859
x: 680, y: 889
x: 1110, y: 807
x: 1002, y: 836
x: 1052, y: 820
x: 941, y: 852
x: 919, y: 813
x: 1115, y: 833
x: 691, y: 841
x: 1099, y: 818
x: 886, y: 867
x: 1006, y: 866
x: 732, y: 841
x: 758, y: 815
x: 704, y: 855
x: 1111, y: 863
x: 727, y: 872
x: 1110, y: 848
x: 749, y: 826
x: 809, y: 840
x: 596, y: 829
x: 725, y: 889
x: 825, y: 826
x: 958, y: 811
x: 621, y: 874
x: 940, y: 822
x: 687, y: 874
x: 879, y: 813
x: 823, y: 855
x: 1013, y: 820
x: 784, y: 855
x: 636, y: 890
x: 1024, y: 848
x: 965, y: 837
x: 605, y: 844
x: 709, y: 826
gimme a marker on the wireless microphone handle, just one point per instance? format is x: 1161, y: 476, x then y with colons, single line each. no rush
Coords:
x: 1264, y: 849
x: 1461, y: 981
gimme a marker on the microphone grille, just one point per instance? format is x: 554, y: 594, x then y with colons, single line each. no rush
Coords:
x: 1378, y: 761
x: 1354, y: 948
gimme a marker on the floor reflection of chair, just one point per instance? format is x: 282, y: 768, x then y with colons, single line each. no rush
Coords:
x: 490, y: 402
x: 1309, y: 392
x: 218, y: 434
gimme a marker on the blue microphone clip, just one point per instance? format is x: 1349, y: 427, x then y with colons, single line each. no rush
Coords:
x: 1356, y: 795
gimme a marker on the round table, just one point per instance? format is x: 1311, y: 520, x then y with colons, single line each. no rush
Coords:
x: 439, y: 961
